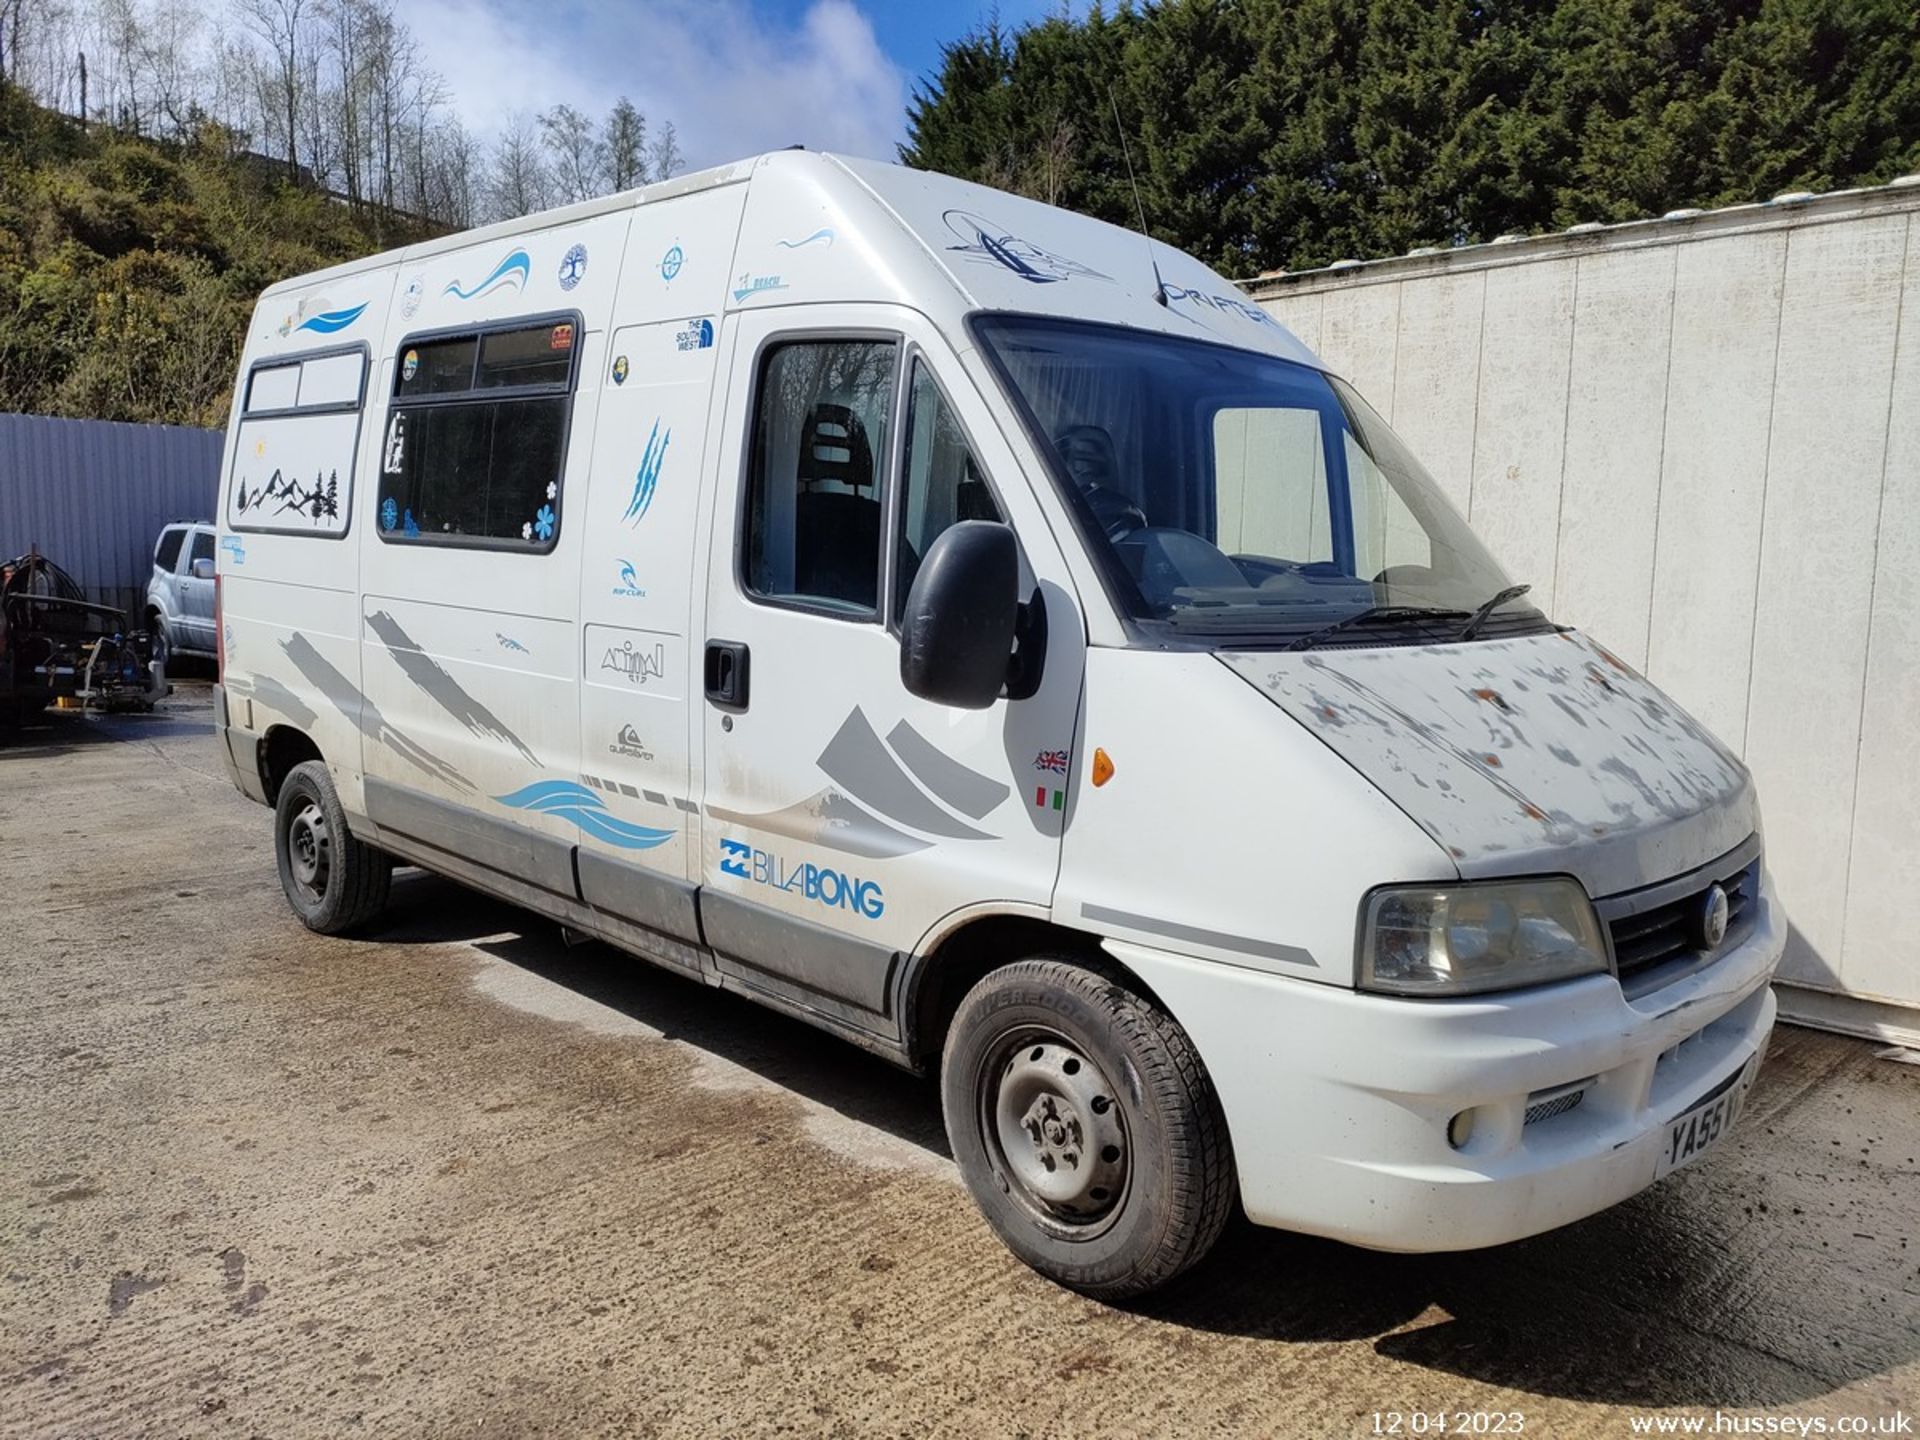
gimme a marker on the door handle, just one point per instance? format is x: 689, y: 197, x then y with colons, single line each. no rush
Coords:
x: 726, y: 673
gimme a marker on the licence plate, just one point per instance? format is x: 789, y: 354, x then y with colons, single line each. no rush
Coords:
x: 1691, y: 1135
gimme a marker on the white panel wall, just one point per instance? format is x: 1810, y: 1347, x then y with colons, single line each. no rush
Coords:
x: 1700, y: 441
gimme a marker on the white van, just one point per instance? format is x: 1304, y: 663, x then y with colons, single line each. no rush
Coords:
x: 979, y: 631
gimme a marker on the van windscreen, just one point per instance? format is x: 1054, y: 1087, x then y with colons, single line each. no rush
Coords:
x: 1227, y: 492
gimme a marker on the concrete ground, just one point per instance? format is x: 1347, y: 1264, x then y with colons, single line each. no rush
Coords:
x: 459, y: 1180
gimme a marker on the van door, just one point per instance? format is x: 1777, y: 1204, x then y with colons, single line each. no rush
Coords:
x: 196, y: 592
x: 469, y: 641
x: 846, y: 822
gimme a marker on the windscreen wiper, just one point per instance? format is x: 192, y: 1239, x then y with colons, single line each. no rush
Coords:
x: 1479, y: 617
x: 1375, y: 615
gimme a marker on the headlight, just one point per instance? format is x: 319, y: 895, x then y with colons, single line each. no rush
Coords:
x: 1470, y: 938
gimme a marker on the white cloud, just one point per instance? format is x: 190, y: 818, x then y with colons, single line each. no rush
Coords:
x: 733, y: 84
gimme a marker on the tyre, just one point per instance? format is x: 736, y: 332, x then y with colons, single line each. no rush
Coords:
x: 333, y: 881
x: 1086, y: 1128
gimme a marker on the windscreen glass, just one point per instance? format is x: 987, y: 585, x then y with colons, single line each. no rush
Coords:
x: 1235, y: 494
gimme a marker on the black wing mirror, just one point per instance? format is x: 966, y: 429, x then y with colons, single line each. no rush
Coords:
x: 957, y: 634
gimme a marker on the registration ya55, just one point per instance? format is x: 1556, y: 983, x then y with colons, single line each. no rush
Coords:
x: 1024, y: 661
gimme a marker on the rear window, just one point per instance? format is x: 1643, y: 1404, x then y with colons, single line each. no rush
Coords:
x: 476, y: 437
x: 293, y: 456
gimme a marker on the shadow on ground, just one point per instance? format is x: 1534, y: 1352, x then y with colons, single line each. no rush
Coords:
x: 1647, y: 1305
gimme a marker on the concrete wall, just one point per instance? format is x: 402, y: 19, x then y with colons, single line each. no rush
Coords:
x: 1699, y: 439
x: 94, y: 494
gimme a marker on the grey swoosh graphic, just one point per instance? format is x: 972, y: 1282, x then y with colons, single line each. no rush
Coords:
x: 1220, y: 940
x: 860, y: 763
x: 445, y: 691
x: 967, y: 791
x: 832, y: 821
x: 275, y: 696
x: 344, y: 696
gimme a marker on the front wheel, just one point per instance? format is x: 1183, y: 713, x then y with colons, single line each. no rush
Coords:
x: 333, y: 881
x: 1086, y: 1128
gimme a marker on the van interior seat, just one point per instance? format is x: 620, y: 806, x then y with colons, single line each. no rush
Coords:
x: 836, y: 515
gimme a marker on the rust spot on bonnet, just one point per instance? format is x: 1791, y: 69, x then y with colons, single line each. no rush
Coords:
x: 1532, y: 811
x: 1493, y: 760
x: 1492, y: 697
x: 1456, y: 852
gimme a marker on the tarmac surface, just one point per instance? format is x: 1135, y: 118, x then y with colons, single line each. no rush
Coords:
x: 458, y: 1179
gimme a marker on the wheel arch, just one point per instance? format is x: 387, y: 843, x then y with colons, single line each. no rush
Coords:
x: 280, y: 749
x: 936, y: 978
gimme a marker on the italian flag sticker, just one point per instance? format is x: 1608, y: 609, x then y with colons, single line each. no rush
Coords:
x: 1045, y: 799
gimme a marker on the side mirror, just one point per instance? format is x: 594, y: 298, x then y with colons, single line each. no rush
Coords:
x: 957, y: 634
x: 202, y: 570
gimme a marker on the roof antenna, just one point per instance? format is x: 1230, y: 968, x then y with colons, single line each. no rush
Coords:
x: 1159, y: 285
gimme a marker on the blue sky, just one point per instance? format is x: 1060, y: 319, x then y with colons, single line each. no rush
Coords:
x: 735, y: 76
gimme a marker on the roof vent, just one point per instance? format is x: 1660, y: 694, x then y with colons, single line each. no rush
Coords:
x: 1585, y: 227
x: 1792, y: 197
x: 1686, y: 214
x: 1346, y: 265
x: 1905, y: 180
x: 1512, y: 237
x: 1423, y: 250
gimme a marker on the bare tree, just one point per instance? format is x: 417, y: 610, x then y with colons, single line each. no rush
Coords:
x: 575, y: 155
x: 666, y: 158
x: 626, y: 142
x: 518, y: 183
x: 282, y: 24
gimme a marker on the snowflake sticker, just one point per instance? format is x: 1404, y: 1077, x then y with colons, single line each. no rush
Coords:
x: 543, y: 522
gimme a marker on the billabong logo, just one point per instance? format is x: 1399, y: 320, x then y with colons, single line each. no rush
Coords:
x: 634, y: 665
x: 510, y: 274
x: 629, y: 744
x: 822, y: 237
x: 329, y: 322
x: 833, y: 889
x: 629, y: 586
x: 647, y: 478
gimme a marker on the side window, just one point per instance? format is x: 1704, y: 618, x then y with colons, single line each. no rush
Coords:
x: 1386, y: 534
x: 943, y: 483
x: 166, y: 554
x: 293, y: 457
x: 202, y: 545
x: 811, y: 529
x: 477, y: 438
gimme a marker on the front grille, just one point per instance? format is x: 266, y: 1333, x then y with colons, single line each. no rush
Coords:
x: 1649, y: 936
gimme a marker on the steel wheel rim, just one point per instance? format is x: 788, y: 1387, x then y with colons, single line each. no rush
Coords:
x: 1055, y: 1132
x: 310, y: 851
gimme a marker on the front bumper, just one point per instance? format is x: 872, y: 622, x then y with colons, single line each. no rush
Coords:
x: 1339, y: 1102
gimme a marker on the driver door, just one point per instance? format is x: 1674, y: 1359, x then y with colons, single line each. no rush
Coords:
x: 845, y: 821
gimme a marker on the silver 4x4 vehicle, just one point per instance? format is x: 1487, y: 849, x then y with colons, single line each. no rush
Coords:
x: 180, y: 592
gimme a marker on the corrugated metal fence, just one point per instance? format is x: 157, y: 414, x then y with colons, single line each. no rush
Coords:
x: 93, y: 495
x: 1699, y: 439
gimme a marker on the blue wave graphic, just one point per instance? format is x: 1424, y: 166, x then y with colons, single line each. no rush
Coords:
x: 515, y: 268
x: 824, y: 233
x: 583, y: 808
x: 329, y: 321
